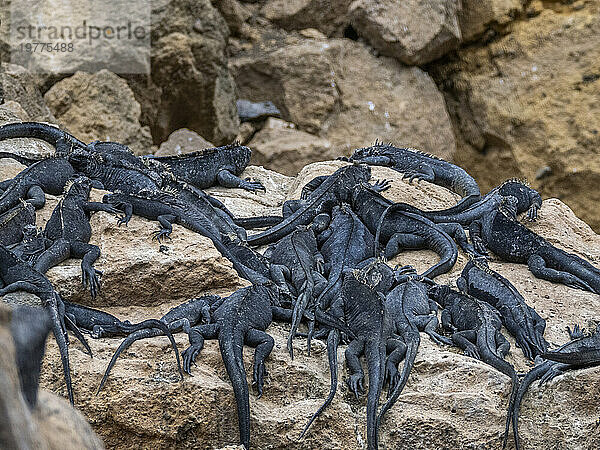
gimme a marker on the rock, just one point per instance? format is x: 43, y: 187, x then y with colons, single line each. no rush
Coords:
x: 525, y: 104
x: 328, y: 16
x: 32, y: 148
x: 52, y: 425
x: 190, y: 85
x: 279, y: 146
x: 476, y: 16
x: 234, y: 13
x: 18, y: 85
x: 413, y: 31
x: 17, y: 110
x: 339, y: 91
x: 99, y: 106
x: 182, y: 141
x: 450, y: 400
x: 253, y: 111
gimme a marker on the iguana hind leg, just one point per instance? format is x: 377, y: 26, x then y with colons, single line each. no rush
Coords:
x: 538, y: 266
x: 88, y: 253
x: 264, y: 344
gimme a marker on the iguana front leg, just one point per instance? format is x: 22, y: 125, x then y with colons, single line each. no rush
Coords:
x: 423, y: 172
x: 475, y: 235
x: 227, y: 179
x: 458, y: 234
x: 429, y: 324
x: 88, y: 253
x: 196, y: 336
x: 464, y: 340
x: 165, y: 221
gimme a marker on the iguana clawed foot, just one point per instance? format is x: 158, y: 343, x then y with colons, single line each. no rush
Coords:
x: 91, y: 276
x: 356, y: 384
x: 258, y: 377
x: 252, y: 186
x: 161, y: 234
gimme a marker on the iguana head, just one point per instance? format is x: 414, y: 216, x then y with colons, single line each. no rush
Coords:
x: 439, y: 293
x: 526, y: 196
x: 80, y: 186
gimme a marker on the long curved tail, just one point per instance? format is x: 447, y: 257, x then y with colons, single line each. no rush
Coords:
x: 414, y: 339
x: 37, y: 130
x: 574, y: 358
x: 332, y: 345
x: 375, y: 355
x: 63, y: 345
x: 125, y: 344
x: 231, y: 352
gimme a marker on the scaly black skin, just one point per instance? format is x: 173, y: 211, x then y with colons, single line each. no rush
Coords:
x: 168, y: 209
x: 239, y: 319
x: 582, y: 351
x: 219, y: 166
x: 410, y: 310
x: 415, y: 164
x: 520, y: 319
x: 193, y: 312
x: 402, y: 230
x: 475, y: 327
x: 501, y: 232
x: 17, y: 275
x: 33, y: 244
x: 302, y: 263
x: 47, y: 176
x: 37, y: 130
x: 528, y: 200
x: 14, y: 221
x: 29, y: 328
x: 362, y: 305
x: 336, y: 189
x: 69, y: 230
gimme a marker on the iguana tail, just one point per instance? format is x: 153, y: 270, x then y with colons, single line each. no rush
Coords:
x: 37, y: 130
x: 63, y: 345
x: 413, y: 341
x: 578, y: 358
x: 231, y: 345
x: 332, y: 345
x: 250, y: 223
x: 136, y: 336
x: 20, y: 159
x: 375, y: 356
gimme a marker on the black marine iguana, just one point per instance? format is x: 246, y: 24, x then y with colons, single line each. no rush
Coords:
x: 501, y: 232
x: 415, y: 164
x: 14, y: 221
x: 475, y: 327
x: 361, y: 304
x: 17, y: 275
x: 580, y: 352
x: 239, y: 319
x: 520, y: 319
x: 188, y: 314
x: 409, y: 310
x: 219, y: 166
x: 69, y: 230
x: 337, y: 188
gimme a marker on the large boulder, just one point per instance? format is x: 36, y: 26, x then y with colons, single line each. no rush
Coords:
x: 450, y: 400
x: 526, y: 104
x: 413, y: 31
x: 338, y: 90
x: 19, y: 85
x: 99, y: 106
x: 477, y: 16
x: 328, y: 16
x: 182, y: 141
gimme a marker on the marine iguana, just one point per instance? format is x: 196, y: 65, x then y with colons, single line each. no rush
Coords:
x: 336, y: 189
x: 32, y: 245
x: 46, y: 176
x: 528, y: 200
x: 475, y: 327
x: 218, y: 166
x: 520, y: 319
x: 188, y: 314
x: 361, y: 304
x: 409, y: 309
x: 14, y: 221
x: 302, y: 264
x: 415, y: 164
x: 69, y: 230
x: 501, y: 232
x: 239, y: 319
x: 17, y: 275
x: 403, y: 230
x: 29, y: 328
x: 580, y: 352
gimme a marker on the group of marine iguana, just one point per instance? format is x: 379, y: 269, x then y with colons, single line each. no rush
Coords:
x: 325, y: 265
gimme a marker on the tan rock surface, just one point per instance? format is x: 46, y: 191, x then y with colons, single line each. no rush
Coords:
x: 328, y: 16
x: 17, y: 84
x: 182, y: 141
x: 283, y: 148
x: 413, y: 31
x: 476, y: 16
x: 99, y: 106
x: 526, y: 104
x: 338, y: 90
x: 450, y: 400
